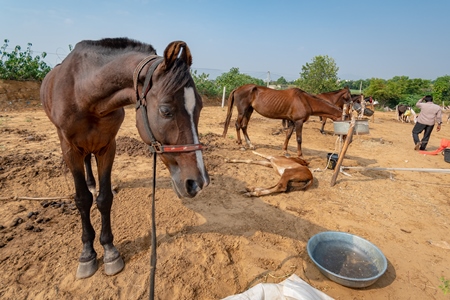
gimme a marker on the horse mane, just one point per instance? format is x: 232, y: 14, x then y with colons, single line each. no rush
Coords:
x: 178, y: 75
x: 336, y: 91
x: 325, y: 102
x: 113, y: 45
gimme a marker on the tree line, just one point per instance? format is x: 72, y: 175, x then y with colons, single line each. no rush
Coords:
x: 317, y: 76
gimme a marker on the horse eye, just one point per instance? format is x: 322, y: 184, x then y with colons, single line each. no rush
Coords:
x: 165, y: 111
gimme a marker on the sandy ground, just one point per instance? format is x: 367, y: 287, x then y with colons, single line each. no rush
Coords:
x: 222, y: 243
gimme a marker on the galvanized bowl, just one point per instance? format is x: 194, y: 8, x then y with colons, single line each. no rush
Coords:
x: 346, y: 258
x: 342, y: 127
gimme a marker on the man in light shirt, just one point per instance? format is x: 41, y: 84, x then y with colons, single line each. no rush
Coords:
x: 430, y: 113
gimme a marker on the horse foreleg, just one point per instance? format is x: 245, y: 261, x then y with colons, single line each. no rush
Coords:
x: 298, y: 133
x: 289, y: 131
x: 255, y: 192
x: 249, y: 161
x: 113, y: 262
x: 83, y: 200
x: 324, y: 120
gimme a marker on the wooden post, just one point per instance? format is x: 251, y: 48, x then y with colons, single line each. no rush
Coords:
x: 363, y: 107
x: 223, y: 95
x: 373, y: 109
x: 347, y: 142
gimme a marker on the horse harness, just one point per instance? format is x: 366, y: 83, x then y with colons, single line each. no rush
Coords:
x: 155, y: 148
x: 141, y: 103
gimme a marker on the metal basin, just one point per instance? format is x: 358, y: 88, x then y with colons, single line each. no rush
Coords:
x: 346, y: 258
x: 342, y: 127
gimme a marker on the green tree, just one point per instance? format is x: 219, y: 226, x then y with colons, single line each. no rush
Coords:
x: 233, y: 79
x: 319, y: 76
x: 21, y: 65
x: 378, y: 90
x: 441, y: 89
x: 205, y: 86
x: 281, y: 81
x: 355, y: 84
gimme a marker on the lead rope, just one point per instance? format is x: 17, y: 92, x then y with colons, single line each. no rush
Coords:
x: 153, y: 250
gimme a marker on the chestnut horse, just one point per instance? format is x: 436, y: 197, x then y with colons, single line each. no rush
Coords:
x: 293, y: 105
x: 84, y: 98
x: 340, y: 98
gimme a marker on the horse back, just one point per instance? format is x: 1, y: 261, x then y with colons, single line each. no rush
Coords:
x: 270, y: 103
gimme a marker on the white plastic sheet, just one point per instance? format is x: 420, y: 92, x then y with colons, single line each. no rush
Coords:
x: 293, y: 288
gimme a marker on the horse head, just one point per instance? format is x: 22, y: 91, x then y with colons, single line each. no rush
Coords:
x: 167, y: 119
x: 346, y: 95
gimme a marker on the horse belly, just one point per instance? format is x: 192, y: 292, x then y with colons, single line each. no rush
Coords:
x: 273, y: 111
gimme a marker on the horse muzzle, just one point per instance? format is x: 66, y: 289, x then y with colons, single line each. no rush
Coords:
x: 189, y: 187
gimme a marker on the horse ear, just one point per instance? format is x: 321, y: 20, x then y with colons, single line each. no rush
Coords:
x: 174, y: 50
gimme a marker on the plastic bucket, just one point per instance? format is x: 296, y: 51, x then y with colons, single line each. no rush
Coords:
x: 447, y: 155
x: 332, y: 159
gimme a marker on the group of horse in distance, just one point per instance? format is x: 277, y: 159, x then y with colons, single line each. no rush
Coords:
x: 294, y: 107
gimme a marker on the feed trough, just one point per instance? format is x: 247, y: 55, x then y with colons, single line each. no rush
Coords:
x: 367, y: 112
x: 342, y: 127
x: 346, y: 258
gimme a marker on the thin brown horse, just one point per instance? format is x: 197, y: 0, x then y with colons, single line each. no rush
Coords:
x: 293, y: 105
x: 293, y: 171
x: 84, y: 97
x: 340, y: 98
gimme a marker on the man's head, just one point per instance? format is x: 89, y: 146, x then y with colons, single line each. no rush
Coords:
x: 428, y: 98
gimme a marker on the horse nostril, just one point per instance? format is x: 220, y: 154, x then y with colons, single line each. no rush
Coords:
x: 192, y: 187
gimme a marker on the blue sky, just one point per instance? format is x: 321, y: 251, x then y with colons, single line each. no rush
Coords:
x: 367, y: 39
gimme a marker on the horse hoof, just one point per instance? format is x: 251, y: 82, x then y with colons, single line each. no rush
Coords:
x: 87, y: 269
x: 114, y: 267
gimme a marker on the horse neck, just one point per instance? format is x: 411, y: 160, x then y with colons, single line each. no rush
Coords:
x: 324, y: 108
x: 335, y: 97
x: 115, y: 77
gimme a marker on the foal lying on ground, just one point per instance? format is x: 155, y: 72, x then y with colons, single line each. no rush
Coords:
x: 293, y: 170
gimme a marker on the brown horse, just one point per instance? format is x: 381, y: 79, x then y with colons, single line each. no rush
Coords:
x: 293, y: 105
x: 293, y: 171
x: 84, y: 98
x: 340, y: 98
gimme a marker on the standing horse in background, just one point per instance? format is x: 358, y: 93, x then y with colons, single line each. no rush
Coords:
x: 293, y: 105
x: 340, y: 98
x: 84, y: 98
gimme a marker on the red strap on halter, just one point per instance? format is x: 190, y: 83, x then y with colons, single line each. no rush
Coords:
x: 158, y: 148
x: 181, y: 148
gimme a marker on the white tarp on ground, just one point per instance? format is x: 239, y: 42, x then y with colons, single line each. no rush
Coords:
x: 293, y: 288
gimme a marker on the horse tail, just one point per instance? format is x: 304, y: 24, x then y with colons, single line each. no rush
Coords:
x: 308, y: 184
x: 309, y: 181
x: 229, y: 113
